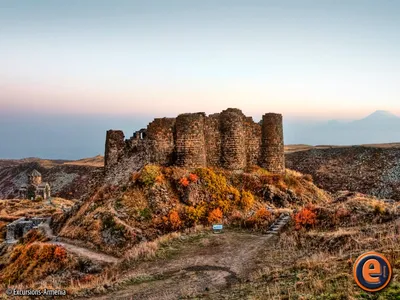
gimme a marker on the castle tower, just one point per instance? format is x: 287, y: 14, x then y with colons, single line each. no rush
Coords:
x: 114, y: 149
x: 233, y: 142
x: 35, y: 178
x: 272, y: 146
x: 160, y: 134
x: 189, y: 140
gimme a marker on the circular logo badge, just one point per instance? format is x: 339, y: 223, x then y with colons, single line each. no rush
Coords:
x: 372, y: 271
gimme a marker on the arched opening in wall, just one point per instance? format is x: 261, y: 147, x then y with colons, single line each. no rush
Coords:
x: 142, y: 135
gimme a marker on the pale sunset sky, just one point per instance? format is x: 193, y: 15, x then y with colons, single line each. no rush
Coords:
x: 308, y: 59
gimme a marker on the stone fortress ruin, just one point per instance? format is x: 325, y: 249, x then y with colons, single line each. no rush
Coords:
x: 228, y: 140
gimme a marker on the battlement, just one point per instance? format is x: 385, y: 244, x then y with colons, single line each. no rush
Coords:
x: 229, y: 140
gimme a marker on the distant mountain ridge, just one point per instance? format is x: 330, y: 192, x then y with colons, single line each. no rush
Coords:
x: 377, y: 128
x: 73, y: 137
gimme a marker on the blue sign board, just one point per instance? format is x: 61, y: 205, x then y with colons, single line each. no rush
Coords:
x: 217, y: 227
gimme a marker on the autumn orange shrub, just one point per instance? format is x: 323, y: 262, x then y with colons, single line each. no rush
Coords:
x: 174, y: 220
x: 193, y: 177
x: 32, y: 262
x: 305, y: 218
x: 263, y: 214
x: 261, y: 219
x: 215, y: 216
x: 159, y: 179
x: 60, y: 254
x: 184, y: 182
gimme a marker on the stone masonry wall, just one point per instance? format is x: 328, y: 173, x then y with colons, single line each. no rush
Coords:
x: 233, y: 150
x: 212, y: 134
x: 114, y: 148
x: 229, y: 140
x: 253, y: 141
x: 190, y: 141
x: 161, y: 133
x: 272, y: 148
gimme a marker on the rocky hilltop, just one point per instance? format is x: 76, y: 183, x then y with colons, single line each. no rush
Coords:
x: 373, y: 170
x: 227, y: 140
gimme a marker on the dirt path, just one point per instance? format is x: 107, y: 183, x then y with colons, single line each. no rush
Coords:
x: 207, y: 265
x: 89, y: 254
x: 77, y: 250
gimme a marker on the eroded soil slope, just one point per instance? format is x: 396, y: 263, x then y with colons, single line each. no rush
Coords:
x: 366, y: 169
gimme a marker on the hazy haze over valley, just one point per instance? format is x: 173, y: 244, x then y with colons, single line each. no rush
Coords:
x: 77, y: 136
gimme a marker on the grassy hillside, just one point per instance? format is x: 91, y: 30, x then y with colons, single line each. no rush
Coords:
x: 156, y: 229
x: 159, y: 200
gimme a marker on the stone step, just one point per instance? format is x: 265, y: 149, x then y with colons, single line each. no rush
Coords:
x: 272, y: 232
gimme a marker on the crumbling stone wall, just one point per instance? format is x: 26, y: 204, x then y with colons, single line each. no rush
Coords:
x: 114, y: 149
x: 20, y: 227
x: 228, y: 139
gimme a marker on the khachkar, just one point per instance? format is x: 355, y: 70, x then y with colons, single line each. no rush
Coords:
x: 228, y: 140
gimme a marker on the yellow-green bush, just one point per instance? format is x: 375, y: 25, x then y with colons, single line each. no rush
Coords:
x: 196, y: 214
x: 217, y: 185
x: 246, y: 201
x: 150, y: 174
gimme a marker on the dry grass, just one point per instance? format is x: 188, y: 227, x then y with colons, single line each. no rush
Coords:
x: 318, y: 265
x: 115, y: 276
x: 97, y: 161
x: 28, y: 208
x: 11, y: 210
x: 121, y: 221
x: 147, y: 250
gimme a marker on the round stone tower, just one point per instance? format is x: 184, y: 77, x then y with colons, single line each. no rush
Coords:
x: 189, y: 140
x: 272, y: 146
x: 114, y: 148
x: 35, y: 178
x: 233, y: 144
